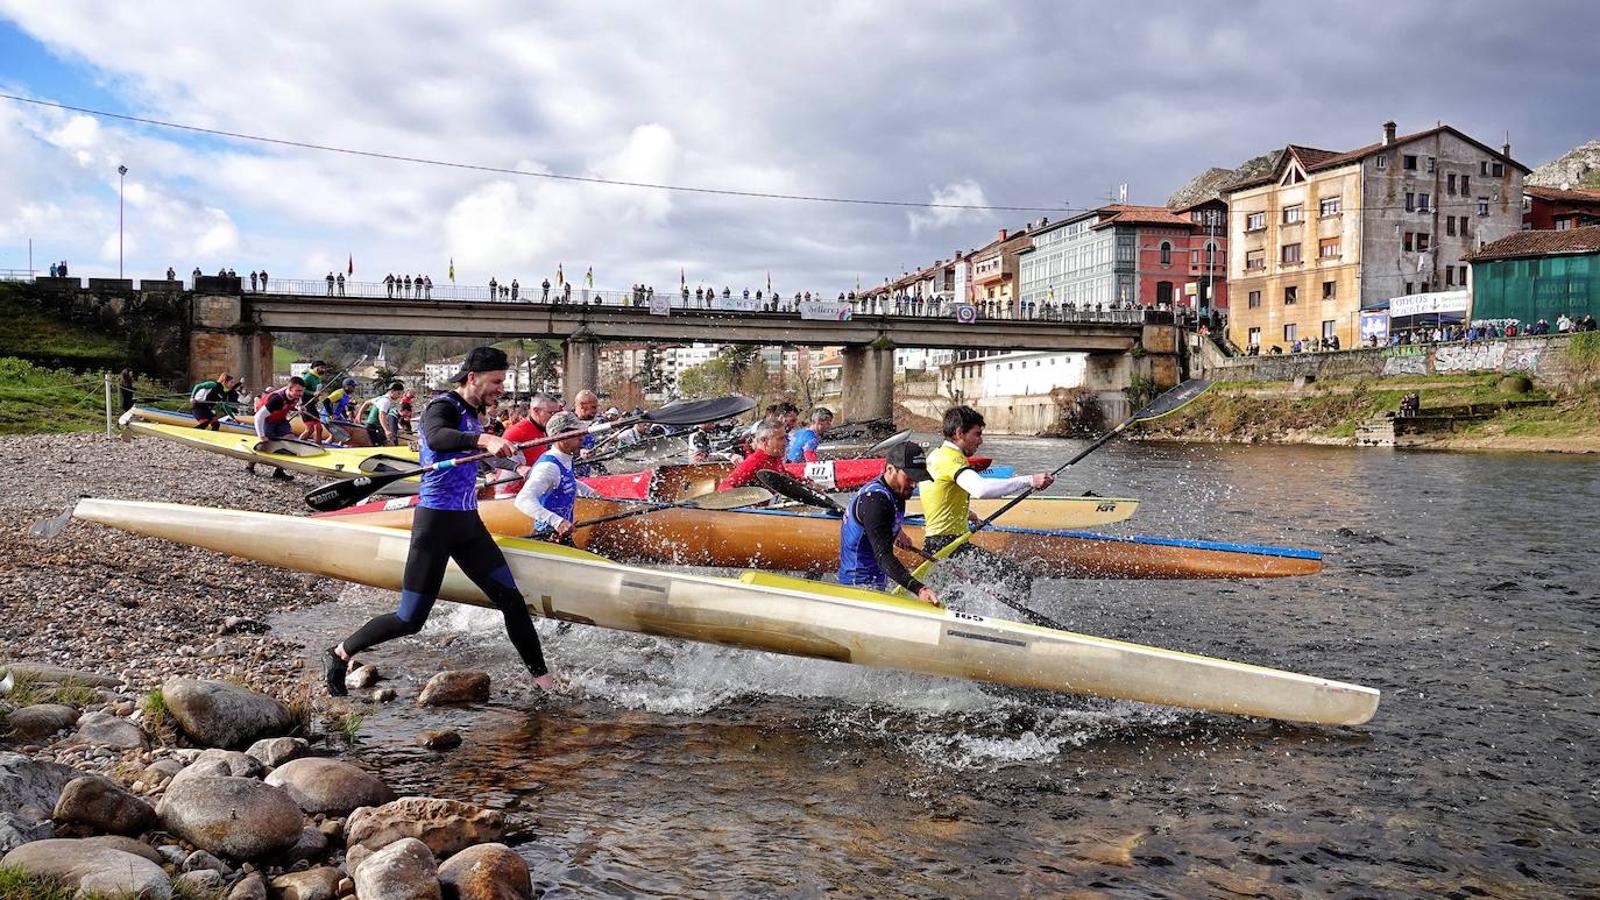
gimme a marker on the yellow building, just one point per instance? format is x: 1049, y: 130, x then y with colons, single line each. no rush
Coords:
x: 1323, y: 233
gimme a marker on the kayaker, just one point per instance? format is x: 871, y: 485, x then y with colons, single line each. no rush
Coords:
x: 272, y: 418
x: 766, y: 452
x: 803, y: 441
x: 309, y: 416
x: 381, y: 416
x: 700, y: 442
x: 551, y: 490
x: 948, y: 493
x: 872, y: 525
x: 532, y: 428
x: 586, y: 405
x: 446, y: 526
x: 204, y: 399
x: 640, y: 432
x: 336, y: 405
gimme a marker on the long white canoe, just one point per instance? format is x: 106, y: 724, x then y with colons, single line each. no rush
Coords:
x: 761, y: 611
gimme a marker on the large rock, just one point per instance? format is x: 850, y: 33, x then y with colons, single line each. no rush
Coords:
x: 322, y: 785
x: 447, y: 688
x: 125, y: 844
x: 445, y: 826
x: 102, y: 729
x: 101, y: 804
x: 486, y: 872
x: 404, y: 870
x: 32, y: 724
x: 219, y: 714
x: 236, y: 817
x: 223, y: 763
x: 313, y: 845
x: 250, y: 887
x: 54, y: 674
x: 29, y: 789
x: 274, y: 752
x: 92, y: 869
x: 312, y: 884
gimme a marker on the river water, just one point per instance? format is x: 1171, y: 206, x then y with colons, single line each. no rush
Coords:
x: 1463, y: 586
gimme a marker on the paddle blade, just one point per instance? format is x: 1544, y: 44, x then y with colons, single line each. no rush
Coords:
x: 696, y: 412
x: 786, y: 485
x: 49, y: 528
x: 734, y: 499
x: 1173, y: 400
x: 340, y: 494
x: 882, y: 447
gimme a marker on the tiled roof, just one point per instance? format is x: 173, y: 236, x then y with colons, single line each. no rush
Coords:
x: 1557, y: 195
x: 1124, y: 214
x: 1316, y: 160
x: 1541, y: 243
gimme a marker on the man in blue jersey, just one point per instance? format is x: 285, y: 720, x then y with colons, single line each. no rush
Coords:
x: 550, y: 492
x: 446, y: 526
x: 872, y: 525
x: 803, y: 441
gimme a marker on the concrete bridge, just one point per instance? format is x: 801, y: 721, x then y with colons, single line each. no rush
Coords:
x: 231, y: 329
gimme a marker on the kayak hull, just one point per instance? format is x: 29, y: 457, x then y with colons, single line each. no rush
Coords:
x: 786, y: 541
x: 292, y: 455
x: 772, y: 613
x: 357, y: 434
x: 682, y: 482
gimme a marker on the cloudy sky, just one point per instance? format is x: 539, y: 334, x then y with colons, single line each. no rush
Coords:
x: 1001, y: 104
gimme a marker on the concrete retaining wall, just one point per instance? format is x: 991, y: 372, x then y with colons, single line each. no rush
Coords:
x: 1543, y: 357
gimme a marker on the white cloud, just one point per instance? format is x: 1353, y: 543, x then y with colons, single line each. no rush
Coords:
x: 946, y: 214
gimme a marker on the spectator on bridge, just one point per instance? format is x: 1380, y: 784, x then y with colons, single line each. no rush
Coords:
x: 699, y: 293
x: 427, y: 287
x: 544, y: 296
x: 566, y: 292
x: 263, y: 279
x: 341, y: 284
x: 404, y: 283
x: 388, y: 284
x: 494, y: 288
x: 330, y: 284
x: 515, y: 289
x: 53, y: 270
x: 747, y: 293
x: 196, y: 272
x: 253, y: 279
x: 726, y: 294
x: 171, y: 275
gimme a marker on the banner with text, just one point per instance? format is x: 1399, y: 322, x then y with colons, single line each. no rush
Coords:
x: 1428, y: 304
x: 1375, y: 325
x: 661, y: 304
x: 825, y: 310
x: 736, y: 304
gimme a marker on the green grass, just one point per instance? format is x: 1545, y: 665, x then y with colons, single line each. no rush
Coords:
x: 28, y: 331
x: 282, y: 359
x: 15, y: 885
x: 28, y: 689
x: 37, y: 400
x: 349, y: 725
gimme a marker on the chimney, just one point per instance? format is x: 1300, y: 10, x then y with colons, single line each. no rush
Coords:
x: 1505, y: 150
x: 1002, y: 234
x: 1388, y: 133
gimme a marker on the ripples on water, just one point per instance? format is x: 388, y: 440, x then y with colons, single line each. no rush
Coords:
x: 1463, y: 586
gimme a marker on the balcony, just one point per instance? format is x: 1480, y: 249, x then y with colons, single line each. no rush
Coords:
x: 989, y: 270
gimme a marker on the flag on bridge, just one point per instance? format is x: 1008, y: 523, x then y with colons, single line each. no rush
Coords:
x: 350, y: 267
x: 769, y: 282
x: 683, y: 281
x: 560, y: 278
x: 452, y: 270
x: 588, y: 277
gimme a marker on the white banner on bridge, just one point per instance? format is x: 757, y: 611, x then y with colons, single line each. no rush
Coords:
x: 825, y: 310
x: 736, y: 304
x: 660, y: 304
x: 1428, y: 304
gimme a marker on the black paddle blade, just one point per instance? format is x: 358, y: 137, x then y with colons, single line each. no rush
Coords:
x: 49, y: 528
x: 696, y: 412
x: 882, y: 447
x: 786, y: 485
x: 1173, y: 400
x: 339, y: 494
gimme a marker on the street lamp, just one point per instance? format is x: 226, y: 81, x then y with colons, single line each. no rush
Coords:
x: 122, y: 173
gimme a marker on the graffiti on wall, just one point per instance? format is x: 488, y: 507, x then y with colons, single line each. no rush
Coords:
x: 1410, y: 364
x: 1453, y: 358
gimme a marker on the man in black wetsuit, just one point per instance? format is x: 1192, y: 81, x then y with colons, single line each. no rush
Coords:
x: 446, y: 526
x: 873, y: 523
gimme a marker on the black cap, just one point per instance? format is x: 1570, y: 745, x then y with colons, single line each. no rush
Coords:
x: 481, y: 359
x: 910, y: 458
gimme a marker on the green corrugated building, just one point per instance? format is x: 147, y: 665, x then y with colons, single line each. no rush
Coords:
x: 1533, y: 275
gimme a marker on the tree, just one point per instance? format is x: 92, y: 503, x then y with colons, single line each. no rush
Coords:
x: 652, y: 380
x: 739, y: 358
x: 709, y: 379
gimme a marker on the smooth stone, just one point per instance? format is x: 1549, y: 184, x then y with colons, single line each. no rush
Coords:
x: 29, y: 789
x: 91, y: 868
x: 219, y: 714
x: 450, y: 688
x: 103, y: 729
x: 241, y: 624
x: 383, y: 695
x: 240, y: 818
x: 486, y: 872
x: 322, y: 785
x: 313, y: 845
x: 221, y: 763
x: 159, y: 771
x: 54, y: 674
x: 32, y: 724
x: 126, y: 845
x: 361, y: 678
x: 445, y: 826
x: 102, y: 804
x: 250, y: 887
x: 274, y: 752
x: 321, y: 883
x: 404, y: 870
x: 199, y: 883
x: 200, y: 859
x: 439, y: 739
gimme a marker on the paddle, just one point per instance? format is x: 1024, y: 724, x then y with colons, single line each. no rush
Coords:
x: 340, y: 494
x: 721, y: 500
x: 49, y: 528
x: 785, y: 485
x: 1165, y: 404
x: 883, y: 446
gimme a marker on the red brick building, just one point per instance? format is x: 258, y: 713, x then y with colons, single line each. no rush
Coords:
x: 1557, y: 209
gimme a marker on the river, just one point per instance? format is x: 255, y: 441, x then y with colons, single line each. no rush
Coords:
x: 1463, y: 586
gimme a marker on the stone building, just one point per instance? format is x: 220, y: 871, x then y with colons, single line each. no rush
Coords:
x: 1323, y: 233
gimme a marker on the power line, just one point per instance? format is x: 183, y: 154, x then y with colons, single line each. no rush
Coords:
x: 372, y: 154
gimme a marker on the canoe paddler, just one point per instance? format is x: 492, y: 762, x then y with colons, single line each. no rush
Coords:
x: 446, y: 526
x: 872, y: 525
x: 532, y: 428
x: 766, y: 452
x: 381, y: 416
x: 336, y: 405
x: 586, y: 405
x: 205, y: 397
x: 272, y: 418
x: 948, y: 492
x: 803, y: 441
x: 551, y: 491
x: 309, y: 416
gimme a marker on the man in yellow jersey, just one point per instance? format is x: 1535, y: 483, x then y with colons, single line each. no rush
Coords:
x: 946, y: 499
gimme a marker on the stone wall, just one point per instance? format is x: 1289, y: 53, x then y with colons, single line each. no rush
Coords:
x: 153, y: 324
x: 1543, y: 357
x: 1025, y: 415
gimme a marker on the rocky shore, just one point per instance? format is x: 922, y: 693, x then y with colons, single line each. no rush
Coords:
x: 159, y: 741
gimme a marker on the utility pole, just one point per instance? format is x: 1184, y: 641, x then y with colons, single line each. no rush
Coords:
x: 122, y: 174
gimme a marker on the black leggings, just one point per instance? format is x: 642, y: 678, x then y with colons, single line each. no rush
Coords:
x: 438, y: 536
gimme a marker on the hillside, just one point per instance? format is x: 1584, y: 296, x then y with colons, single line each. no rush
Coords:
x: 1577, y: 168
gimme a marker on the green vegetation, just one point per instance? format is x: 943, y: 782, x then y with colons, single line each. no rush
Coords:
x: 31, y: 333
x: 16, y: 885
x: 27, y: 689
x: 282, y: 359
x: 349, y: 725
x: 154, y: 706
x: 39, y: 400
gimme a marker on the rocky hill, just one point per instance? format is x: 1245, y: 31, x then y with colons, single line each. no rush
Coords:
x: 1577, y: 168
x: 1213, y: 182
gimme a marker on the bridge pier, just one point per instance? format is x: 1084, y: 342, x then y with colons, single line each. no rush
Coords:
x: 220, y: 341
x: 867, y: 391
x: 580, y: 366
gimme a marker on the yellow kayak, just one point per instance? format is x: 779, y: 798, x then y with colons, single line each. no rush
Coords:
x: 291, y: 455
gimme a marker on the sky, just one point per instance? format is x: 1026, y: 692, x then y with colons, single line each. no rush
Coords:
x: 1022, y: 104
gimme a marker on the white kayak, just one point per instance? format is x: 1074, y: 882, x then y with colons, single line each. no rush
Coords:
x: 775, y: 613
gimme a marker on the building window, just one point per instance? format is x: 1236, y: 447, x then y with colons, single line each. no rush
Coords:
x: 1289, y: 254
x: 1293, y: 214
x: 1194, y: 259
x: 1164, y: 292
x: 1407, y: 242
x: 1483, y: 206
x: 1255, y: 221
x: 1211, y: 253
x: 1431, y: 163
x: 1291, y: 295
x: 1450, y: 226
x: 1411, y: 201
x: 1166, y: 253
x: 1464, y: 221
x: 1466, y: 185
x: 1328, y: 248
x: 1254, y: 339
x: 1449, y: 276
x: 1408, y: 162
x: 1563, y: 224
x: 1411, y: 287
x: 1462, y: 278
x: 1327, y: 324
x: 1330, y: 290
x: 1330, y: 206
x: 1290, y: 332
x: 1483, y: 167
x: 1497, y: 170
x: 1382, y: 161
x: 1255, y: 259
x: 1450, y: 184
x: 1424, y: 201
x: 1255, y: 299
x: 1422, y: 242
